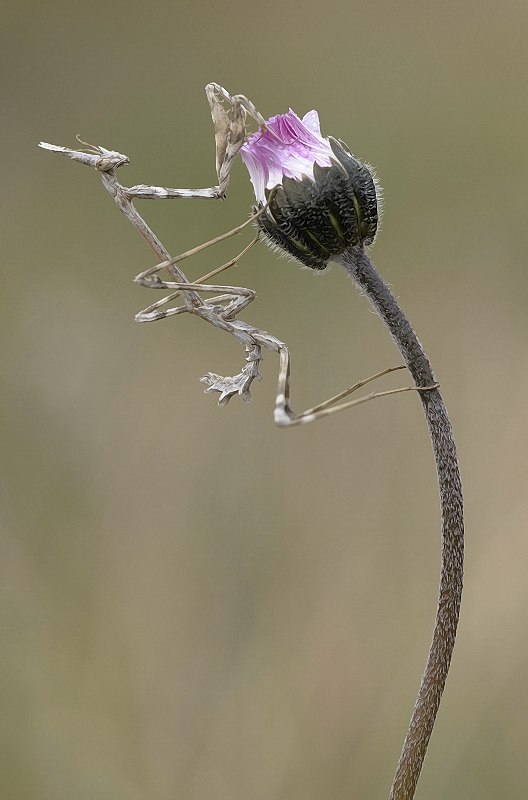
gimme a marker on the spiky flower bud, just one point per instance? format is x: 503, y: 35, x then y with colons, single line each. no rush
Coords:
x: 326, y: 200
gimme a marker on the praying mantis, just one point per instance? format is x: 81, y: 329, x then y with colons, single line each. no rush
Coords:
x: 226, y: 303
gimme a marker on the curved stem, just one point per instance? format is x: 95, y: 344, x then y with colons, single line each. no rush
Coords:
x: 364, y: 274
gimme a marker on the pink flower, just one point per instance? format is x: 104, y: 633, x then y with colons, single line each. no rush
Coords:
x: 325, y: 199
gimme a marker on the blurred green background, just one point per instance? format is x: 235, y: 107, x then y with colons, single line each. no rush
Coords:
x: 194, y: 603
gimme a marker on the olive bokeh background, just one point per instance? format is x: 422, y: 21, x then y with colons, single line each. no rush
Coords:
x: 195, y: 604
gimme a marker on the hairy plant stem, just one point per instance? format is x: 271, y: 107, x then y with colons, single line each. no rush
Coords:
x: 366, y: 277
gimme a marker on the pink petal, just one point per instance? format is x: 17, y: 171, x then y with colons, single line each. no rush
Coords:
x: 288, y: 148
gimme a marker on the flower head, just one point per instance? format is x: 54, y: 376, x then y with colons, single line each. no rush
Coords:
x: 325, y: 200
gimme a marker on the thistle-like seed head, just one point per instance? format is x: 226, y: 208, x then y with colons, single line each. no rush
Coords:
x: 326, y: 200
